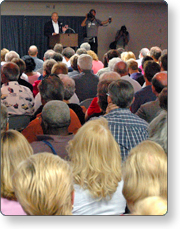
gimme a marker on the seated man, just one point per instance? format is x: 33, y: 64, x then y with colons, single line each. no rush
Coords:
x: 55, y: 128
x: 127, y: 128
x: 18, y: 99
x: 86, y: 82
x: 51, y: 88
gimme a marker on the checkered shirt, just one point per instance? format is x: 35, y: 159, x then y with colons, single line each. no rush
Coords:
x: 127, y: 128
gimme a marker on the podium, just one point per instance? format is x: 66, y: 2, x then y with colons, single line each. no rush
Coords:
x: 66, y: 39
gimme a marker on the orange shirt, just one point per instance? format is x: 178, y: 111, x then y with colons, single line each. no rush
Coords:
x: 34, y: 128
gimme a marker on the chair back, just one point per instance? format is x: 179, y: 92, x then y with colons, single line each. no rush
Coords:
x: 19, y: 122
x: 86, y: 102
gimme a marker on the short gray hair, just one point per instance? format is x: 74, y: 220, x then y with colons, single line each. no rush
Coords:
x: 112, y: 63
x: 60, y: 117
x: 86, y: 46
x: 4, y: 116
x: 109, y: 76
x: 10, y: 55
x: 49, y: 54
x: 85, y: 62
x: 69, y: 86
x: 47, y: 65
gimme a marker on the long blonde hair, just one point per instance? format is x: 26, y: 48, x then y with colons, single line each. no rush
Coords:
x: 95, y: 158
x: 43, y: 185
x: 145, y: 172
x: 14, y: 149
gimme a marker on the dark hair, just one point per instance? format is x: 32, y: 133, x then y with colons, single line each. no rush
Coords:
x: 105, y: 60
x: 30, y: 63
x: 68, y: 52
x: 112, y: 53
x: 163, y: 98
x: 121, y: 93
x: 163, y: 60
x: 57, y: 57
x: 150, y: 69
x: 11, y: 71
x: 51, y: 88
x: 20, y: 63
x: 145, y: 59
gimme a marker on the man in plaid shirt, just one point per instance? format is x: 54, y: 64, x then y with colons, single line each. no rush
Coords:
x: 127, y: 128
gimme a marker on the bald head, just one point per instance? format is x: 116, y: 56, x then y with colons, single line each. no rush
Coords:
x: 121, y: 68
x: 159, y: 81
x: 33, y: 51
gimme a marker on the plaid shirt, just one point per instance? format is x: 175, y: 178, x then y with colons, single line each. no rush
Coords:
x: 127, y: 128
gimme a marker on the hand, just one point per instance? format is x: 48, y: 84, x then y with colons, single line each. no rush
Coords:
x: 54, y: 34
x: 64, y: 28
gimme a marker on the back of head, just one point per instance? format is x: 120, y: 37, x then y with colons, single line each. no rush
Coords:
x: 125, y: 56
x: 94, y: 167
x: 155, y: 52
x: 14, y: 149
x: 85, y: 62
x: 73, y: 61
x: 152, y: 205
x: 86, y: 46
x: 121, y: 68
x: 35, y: 184
x: 20, y: 63
x: 69, y: 86
x: 59, y: 68
x: 159, y: 81
x: 51, y: 88
x: 144, y: 52
x: 145, y: 173
x: 121, y: 93
x: 150, y: 69
x: 4, y: 117
x: 146, y: 58
x: 80, y: 51
x: 68, y: 52
x: 112, y: 53
x: 30, y: 63
x: 49, y: 54
x: 58, y: 48
x: 59, y: 118
x: 109, y: 76
x: 47, y: 66
x: 33, y: 51
x: 132, y: 64
x: 9, y: 72
x: 93, y: 55
x: 10, y: 55
x: 164, y: 62
x: 57, y: 57
x: 3, y: 53
x: 113, y: 62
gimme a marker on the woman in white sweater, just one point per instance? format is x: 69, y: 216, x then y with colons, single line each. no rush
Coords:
x: 96, y: 164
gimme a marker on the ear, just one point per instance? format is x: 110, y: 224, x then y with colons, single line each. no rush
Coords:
x: 153, y: 90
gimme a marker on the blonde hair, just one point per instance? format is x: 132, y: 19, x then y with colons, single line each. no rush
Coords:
x: 153, y: 205
x: 14, y: 149
x: 125, y: 56
x: 95, y: 159
x: 3, y: 53
x: 43, y: 184
x: 93, y: 55
x: 59, y: 68
x: 145, y: 172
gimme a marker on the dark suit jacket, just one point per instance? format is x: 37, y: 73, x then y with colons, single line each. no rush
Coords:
x: 49, y: 29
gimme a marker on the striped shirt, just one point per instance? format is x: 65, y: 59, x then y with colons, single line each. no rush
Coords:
x: 127, y: 128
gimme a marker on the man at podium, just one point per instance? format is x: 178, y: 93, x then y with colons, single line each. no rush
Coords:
x: 54, y: 27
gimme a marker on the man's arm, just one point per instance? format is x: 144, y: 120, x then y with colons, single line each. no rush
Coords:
x: 106, y: 22
x: 84, y: 21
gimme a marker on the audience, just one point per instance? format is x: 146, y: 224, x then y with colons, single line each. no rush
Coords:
x: 14, y: 149
x: 59, y: 68
x: 146, y: 94
x: 67, y: 53
x: 48, y: 186
x: 10, y: 55
x: 125, y: 56
x: 155, y: 53
x: 128, y: 129
x: 144, y: 173
x: 80, y: 51
x: 55, y: 128
x: 33, y: 52
x: 96, y: 63
x: 74, y: 66
x: 86, y: 46
x: 96, y: 165
x: 142, y: 53
x: 17, y: 98
x: 86, y: 82
x: 58, y: 48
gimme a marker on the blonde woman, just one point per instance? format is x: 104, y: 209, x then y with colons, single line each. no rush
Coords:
x: 14, y: 149
x: 145, y: 173
x: 96, y: 63
x: 152, y: 205
x: 43, y: 184
x: 96, y: 164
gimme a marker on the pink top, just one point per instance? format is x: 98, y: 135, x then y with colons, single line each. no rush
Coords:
x: 97, y: 65
x: 11, y: 207
x: 33, y: 77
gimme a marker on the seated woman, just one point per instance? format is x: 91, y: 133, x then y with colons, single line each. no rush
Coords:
x: 43, y: 184
x: 96, y: 164
x: 144, y: 173
x: 96, y: 63
x: 14, y: 149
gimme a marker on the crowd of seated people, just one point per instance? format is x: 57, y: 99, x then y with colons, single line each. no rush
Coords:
x: 105, y: 158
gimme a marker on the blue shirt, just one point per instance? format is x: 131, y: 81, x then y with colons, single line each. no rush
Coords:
x: 127, y: 128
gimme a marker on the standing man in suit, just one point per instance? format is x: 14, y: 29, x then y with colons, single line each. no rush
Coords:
x: 54, y: 27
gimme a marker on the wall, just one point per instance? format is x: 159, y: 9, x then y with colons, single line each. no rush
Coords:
x: 147, y: 23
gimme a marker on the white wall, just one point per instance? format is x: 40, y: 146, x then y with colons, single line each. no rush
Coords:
x: 147, y: 23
